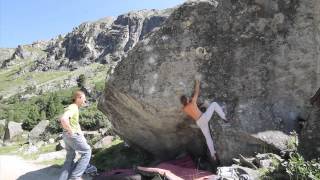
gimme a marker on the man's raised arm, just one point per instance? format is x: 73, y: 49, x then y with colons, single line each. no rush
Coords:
x: 196, y: 91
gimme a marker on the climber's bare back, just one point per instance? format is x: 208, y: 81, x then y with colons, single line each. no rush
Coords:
x: 192, y: 110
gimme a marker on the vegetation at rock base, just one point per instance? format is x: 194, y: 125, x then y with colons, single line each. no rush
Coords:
x: 118, y: 155
x: 49, y: 106
x: 294, y: 168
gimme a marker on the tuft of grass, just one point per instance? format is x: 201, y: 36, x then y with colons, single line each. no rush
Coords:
x: 292, y: 142
x: 42, y: 150
x: 11, y: 149
x: 55, y: 162
x: 41, y: 77
x: 48, y: 148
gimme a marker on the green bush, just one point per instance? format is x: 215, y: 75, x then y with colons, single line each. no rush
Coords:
x: 81, y: 81
x: 33, y: 110
x: 54, y: 106
x: 33, y: 118
x: 298, y: 168
x: 54, y: 125
x: 294, y: 168
x: 92, y: 119
x: 50, y: 106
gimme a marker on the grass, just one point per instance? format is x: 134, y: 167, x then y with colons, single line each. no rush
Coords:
x: 42, y: 150
x: 41, y: 77
x: 11, y: 83
x: 8, y: 82
x: 99, y: 85
x: 34, y: 50
x: 117, y: 155
x: 12, y: 149
x: 58, y: 162
x: 48, y: 148
x: 292, y: 142
x: 267, y: 173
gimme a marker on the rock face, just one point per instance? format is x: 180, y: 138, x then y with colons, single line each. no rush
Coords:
x: 309, y: 144
x: 105, y: 141
x: 103, y: 41
x: 39, y: 130
x: 259, y: 58
x: 5, y: 53
x: 23, y: 53
x: 13, y: 130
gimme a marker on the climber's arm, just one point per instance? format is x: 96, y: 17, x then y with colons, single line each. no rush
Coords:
x: 196, y: 92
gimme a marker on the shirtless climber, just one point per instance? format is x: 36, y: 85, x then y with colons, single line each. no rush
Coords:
x: 202, y: 119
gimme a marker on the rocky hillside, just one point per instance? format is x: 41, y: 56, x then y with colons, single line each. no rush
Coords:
x: 104, y: 41
x: 260, y: 59
x: 6, y: 53
x: 47, y: 65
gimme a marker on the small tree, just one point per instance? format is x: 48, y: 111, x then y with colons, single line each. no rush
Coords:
x: 42, y: 104
x: 43, y: 115
x: 11, y: 115
x: 81, y: 81
x: 51, y: 109
x: 54, y: 106
x: 32, y: 119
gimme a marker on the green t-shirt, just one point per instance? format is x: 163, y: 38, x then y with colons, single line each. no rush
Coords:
x: 74, y: 120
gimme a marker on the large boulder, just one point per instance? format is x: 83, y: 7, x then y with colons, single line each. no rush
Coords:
x: 104, y: 142
x: 260, y: 58
x: 38, y: 132
x: 91, y: 134
x: 13, y: 130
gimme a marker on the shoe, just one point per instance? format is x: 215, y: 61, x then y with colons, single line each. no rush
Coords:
x: 92, y: 170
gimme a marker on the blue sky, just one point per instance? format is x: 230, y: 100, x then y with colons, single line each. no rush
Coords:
x: 25, y: 21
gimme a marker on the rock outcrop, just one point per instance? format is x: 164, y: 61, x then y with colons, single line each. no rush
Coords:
x: 88, y: 47
x: 23, y: 53
x: 38, y: 132
x: 260, y: 58
x: 103, y: 41
x: 5, y: 53
x: 13, y: 130
x: 104, y: 142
